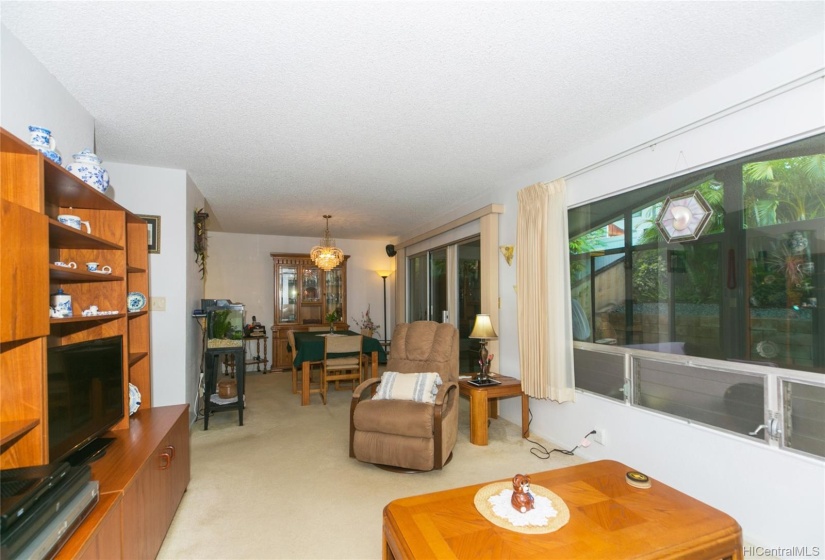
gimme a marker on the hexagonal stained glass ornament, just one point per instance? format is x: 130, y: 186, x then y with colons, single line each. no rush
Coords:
x: 684, y: 217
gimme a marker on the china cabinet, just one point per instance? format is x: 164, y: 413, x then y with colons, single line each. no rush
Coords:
x: 305, y: 296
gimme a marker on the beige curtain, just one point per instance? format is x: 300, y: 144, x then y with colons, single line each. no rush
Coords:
x: 545, y: 332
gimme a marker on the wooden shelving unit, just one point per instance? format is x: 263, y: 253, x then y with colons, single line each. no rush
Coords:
x: 33, y: 192
x: 145, y: 472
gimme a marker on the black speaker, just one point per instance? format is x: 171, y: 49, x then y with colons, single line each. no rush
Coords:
x: 391, y: 252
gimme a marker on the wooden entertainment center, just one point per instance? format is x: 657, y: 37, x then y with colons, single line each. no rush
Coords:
x: 146, y: 470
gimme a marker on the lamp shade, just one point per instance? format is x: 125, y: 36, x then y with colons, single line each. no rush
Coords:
x: 383, y: 273
x: 483, y: 327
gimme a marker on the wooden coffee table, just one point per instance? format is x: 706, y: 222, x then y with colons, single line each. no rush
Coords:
x: 608, y: 519
x: 483, y: 405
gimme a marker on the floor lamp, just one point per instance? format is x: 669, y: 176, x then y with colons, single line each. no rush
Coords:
x: 384, y: 274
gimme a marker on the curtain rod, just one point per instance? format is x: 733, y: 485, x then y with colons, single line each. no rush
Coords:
x: 742, y: 105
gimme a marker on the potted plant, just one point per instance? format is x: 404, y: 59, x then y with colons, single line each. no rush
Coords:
x: 331, y: 318
x: 366, y: 324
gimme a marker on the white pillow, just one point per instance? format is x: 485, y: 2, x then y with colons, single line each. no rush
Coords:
x: 419, y: 387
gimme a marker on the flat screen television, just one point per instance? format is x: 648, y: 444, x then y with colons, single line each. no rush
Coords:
x: 85, y: 396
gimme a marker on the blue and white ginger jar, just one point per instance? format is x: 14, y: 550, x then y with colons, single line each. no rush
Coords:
x: 87, y: 167
x: 42, y: 141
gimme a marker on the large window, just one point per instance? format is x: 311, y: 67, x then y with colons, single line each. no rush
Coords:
x: 748, y: 290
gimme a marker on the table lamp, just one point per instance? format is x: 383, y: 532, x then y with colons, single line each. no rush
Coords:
x: 483, y: 330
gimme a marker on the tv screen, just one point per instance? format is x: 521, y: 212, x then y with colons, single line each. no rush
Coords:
x: 85, y: 387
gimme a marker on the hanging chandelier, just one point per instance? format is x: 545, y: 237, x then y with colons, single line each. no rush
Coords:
x: 326, y: 256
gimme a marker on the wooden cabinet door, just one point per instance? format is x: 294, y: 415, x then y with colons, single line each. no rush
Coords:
x: 24, y: 273
x: 177, y: 474
x: 149, y: 504
x: 99, y: 534
x: 283, y: 357
x: 144, y: 515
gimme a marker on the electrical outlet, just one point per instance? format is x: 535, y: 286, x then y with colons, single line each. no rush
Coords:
x: 157, y: 303
x: 600, y: 436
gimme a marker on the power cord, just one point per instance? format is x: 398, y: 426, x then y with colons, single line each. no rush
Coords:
x: 542, y: 453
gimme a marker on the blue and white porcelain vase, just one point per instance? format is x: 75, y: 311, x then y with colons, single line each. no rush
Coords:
x: 87, y: 167
x: 43, y: 142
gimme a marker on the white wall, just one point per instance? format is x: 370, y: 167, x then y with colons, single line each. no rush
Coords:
x: 194, y: 294
x: 29, y: 95
x: 240, y: 268
x: 163, y: 192
x: 777, y: 497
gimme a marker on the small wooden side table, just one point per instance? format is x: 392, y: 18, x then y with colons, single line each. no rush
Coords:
x: 256, y: 359
x: 481, y: 407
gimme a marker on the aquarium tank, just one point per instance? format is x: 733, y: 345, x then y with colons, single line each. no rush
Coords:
x: 224, y: 325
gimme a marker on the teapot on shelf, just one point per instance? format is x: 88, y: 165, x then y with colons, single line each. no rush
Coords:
x: 87, y: 168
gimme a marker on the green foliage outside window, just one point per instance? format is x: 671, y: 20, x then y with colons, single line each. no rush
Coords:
x: 782, y: 191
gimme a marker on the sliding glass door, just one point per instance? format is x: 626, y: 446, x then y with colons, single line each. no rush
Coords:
x: 445, y: 286
x: 428, y: 283
x: 469, y: 302
x: 439, y: 296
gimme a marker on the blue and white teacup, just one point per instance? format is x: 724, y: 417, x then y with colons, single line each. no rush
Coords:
x: 73, y: 221
x: 70, y: 264
x: 95, y: 267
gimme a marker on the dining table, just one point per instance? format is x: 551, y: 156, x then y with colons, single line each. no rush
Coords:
x: 309, y: 347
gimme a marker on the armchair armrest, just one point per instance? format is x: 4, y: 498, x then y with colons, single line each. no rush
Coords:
x: 356, y: 398
x: 356, y: 393
x: 443, y: 390
x: 443, y: 399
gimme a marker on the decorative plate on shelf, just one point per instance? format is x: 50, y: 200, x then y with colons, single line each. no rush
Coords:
x: 134, y: 399
x: 135, y: 301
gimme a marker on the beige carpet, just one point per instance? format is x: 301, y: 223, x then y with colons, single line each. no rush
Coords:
x: 283, y: 485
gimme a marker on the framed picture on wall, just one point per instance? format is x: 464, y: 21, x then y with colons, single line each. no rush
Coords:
x: 153, y: 224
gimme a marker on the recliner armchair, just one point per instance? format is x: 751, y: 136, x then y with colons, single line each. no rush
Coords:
x: 409, y: 435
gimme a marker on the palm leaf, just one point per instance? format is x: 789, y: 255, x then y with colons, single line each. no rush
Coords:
x: 814, y: 167
x: 764, y: 212
x: 758, y: 171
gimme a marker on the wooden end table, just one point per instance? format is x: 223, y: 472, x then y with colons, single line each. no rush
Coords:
x: 608, y: 519
x: 483, y: 405
x: 256, y: 359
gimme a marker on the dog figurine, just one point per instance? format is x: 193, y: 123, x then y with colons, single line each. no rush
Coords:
x: 522, y: 499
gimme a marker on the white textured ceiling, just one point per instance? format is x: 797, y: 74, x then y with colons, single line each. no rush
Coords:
x: 383, y: 114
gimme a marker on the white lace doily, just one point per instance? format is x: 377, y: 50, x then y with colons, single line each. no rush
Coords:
x: 549, y: 513
x: 539, y: 516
